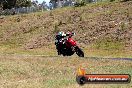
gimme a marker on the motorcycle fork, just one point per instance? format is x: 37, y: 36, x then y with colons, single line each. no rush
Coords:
x: 73, y: 48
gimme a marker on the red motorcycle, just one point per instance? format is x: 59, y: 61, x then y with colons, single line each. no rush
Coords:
x: 68, y: 47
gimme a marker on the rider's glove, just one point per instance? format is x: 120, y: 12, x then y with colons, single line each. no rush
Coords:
x: 73, y: 33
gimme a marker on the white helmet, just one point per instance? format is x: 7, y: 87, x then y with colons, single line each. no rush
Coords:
x: 63, y: 34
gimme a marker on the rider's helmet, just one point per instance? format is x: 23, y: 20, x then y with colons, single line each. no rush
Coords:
x: 61, y: 33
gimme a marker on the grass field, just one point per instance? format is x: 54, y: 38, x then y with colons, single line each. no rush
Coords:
x: 57, y: 72
x: 28, y: 57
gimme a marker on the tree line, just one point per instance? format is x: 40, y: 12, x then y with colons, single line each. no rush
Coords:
x: 8, y: 4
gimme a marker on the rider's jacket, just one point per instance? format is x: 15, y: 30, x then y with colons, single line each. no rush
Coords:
x: 62, y: 39
x: 59, y: 39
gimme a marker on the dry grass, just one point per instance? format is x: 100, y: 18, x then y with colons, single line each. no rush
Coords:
x: 33, y: 34
x: 56, y: 72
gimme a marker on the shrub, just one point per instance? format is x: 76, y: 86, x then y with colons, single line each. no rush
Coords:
x: 56, y: 29
x: 112, y: 0
x: 77, y: 4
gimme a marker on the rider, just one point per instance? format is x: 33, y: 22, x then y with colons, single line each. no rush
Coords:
x: 61, y: 37
x: 58, y: 39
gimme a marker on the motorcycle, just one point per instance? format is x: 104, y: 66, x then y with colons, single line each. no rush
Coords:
x: 68, y: 47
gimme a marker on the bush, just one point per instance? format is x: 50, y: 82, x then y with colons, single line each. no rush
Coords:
x: 56, y: 28
x: 112, y: 0
x: 79, y: 4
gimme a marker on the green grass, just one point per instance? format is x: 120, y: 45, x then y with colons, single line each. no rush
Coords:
x: 92, y: 52
x: 109, y: 44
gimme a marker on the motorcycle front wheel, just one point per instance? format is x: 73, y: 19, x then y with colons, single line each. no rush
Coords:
x: 79, y: 52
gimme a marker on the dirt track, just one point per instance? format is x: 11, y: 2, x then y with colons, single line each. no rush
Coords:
x: 61, y: 57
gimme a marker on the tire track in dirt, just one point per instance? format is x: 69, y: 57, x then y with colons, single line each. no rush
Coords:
x: 46, y: 56
x: 128, y: 59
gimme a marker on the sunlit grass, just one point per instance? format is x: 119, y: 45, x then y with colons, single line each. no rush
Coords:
x: 57, y: 72
x: 34, y: 68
